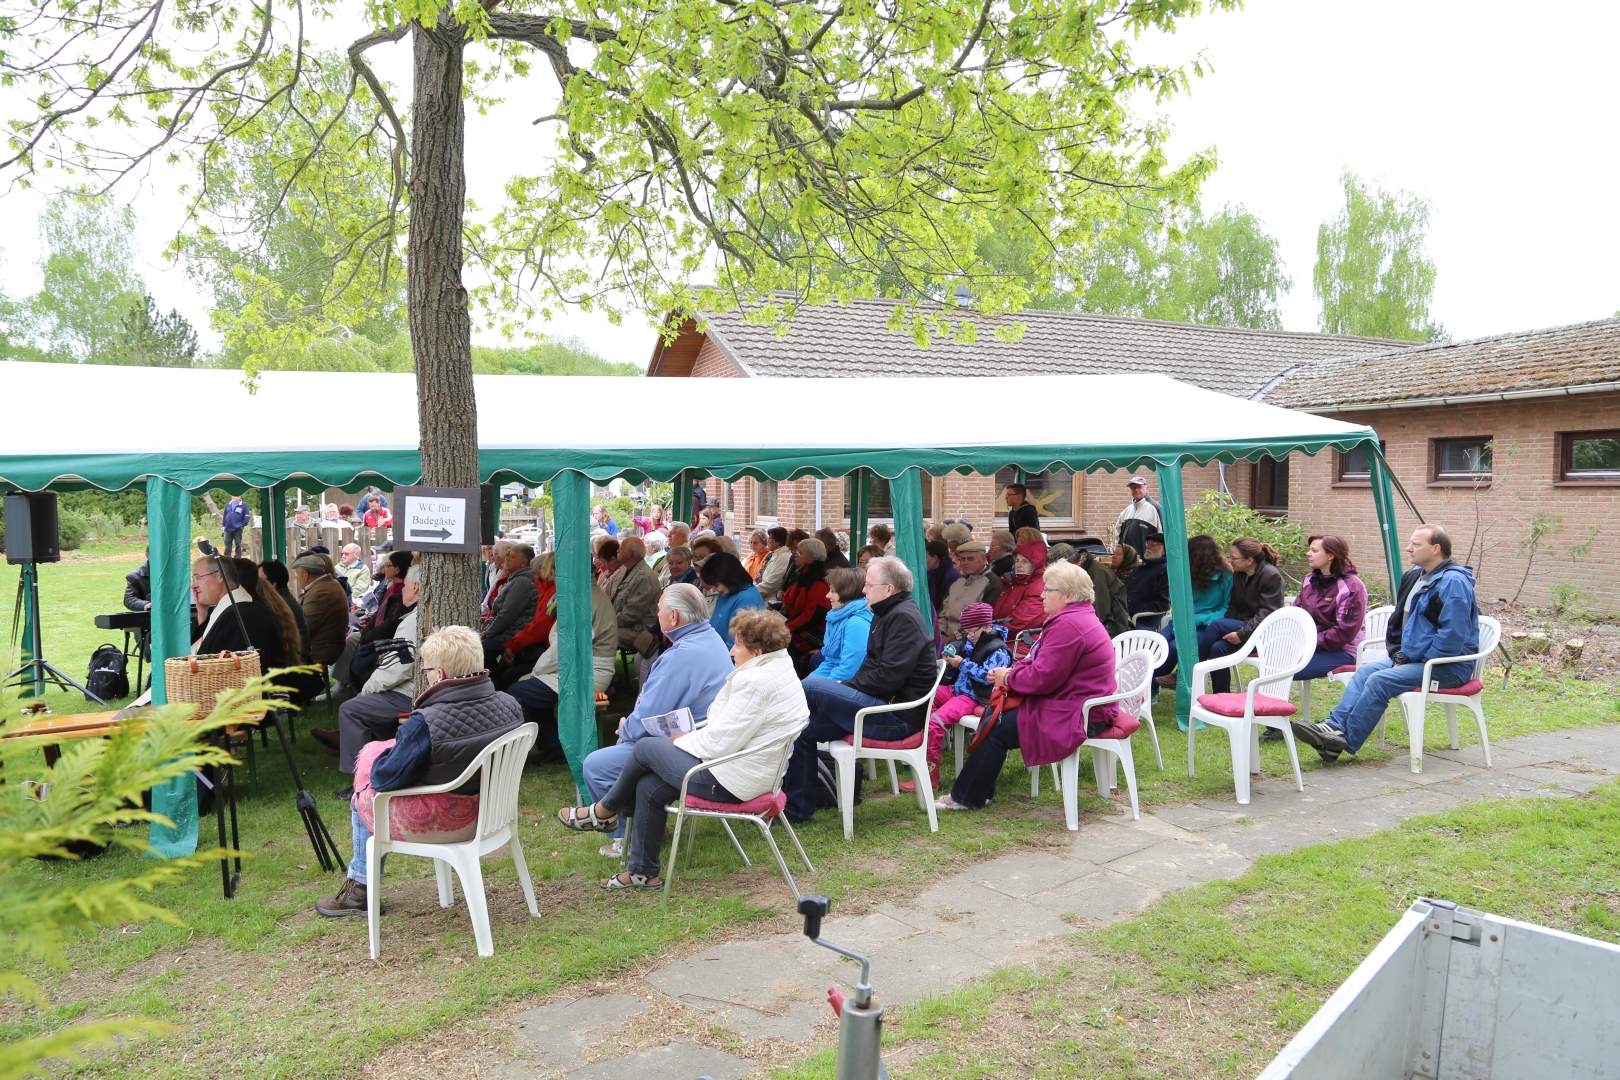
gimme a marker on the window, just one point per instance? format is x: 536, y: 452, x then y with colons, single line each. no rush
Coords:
x: 879, y: 507
x: 764, y: 499
x: 1051, y: 493
x: 1589, y: 455
x: 1458, y: 460
x: 1354, y: 466
x: 1268, y: 489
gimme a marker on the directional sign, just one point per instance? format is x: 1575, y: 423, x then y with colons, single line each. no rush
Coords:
x: 436, y: 519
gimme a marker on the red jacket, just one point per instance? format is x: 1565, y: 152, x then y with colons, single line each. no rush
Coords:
x: 1019, y: 607
x: 538, y: 630
x: 802, y: 603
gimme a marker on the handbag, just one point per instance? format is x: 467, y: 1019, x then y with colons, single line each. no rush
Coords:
x: 198, y: 680
x: 1002, y: 701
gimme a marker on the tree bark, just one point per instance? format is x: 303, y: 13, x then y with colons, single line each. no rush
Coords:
x: 441, y: 328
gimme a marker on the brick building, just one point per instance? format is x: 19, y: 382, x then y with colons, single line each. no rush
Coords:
x: 1495, y: 438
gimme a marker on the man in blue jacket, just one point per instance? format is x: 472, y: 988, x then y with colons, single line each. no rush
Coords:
x: 1436, y: 615
x: 236, y: 517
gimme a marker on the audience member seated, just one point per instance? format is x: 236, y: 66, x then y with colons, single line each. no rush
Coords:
x: 326, y: 619
x: 979, y: 647
x: 352, y: 566
x: 605, y: 562
x: 538, y: 691
x: 217, y: 589
x: 1019, y: 605
x: 1071, y: 663
x: 1001, y: 552
x: 712, y: 519
x: 882, y: 537
x: 679, y: 565
x: 634, y: 591
x: 795, y: 538
x: 849, y: 622
x: 899, y: 666
x: 654, y: 543
x: 374, y: 713
x: 1436, y: 615
x: 273, y: 573
x: 955, y: 534
x: 778, y: 557
x: 1125, y: 561
x: 523, y: 648
x: 1212, y: 592
x: 734, y: 590
x: 390, y: 604
x: 759, y: 703
x: 281, y: 613
x: 138, y: 588
x: 867, y: 554
x: 1257, y: 591
x: 805, y: 602
x: 372, y: 600
x: 1109, y: 600
x: 703, y: 547
x: 494, y: 574
x: 680, y: 534
x: 1147, y: 588
x: 835, y: 549
x: 453, y: 720
x: 514, y: 602
x: 974, y: 584
x: 1335, y: 597
x: 942, y: 573
x: 686, y: 675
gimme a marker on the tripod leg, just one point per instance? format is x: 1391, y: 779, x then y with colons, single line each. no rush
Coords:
x: 319, y: 837
x: 236, y: 832
x: 214, y: 780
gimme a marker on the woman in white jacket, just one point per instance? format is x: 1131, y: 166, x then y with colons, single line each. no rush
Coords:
x: 762, y: 704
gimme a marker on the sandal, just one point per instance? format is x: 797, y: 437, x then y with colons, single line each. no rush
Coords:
x: 632, y: 881
x: 584, y: 819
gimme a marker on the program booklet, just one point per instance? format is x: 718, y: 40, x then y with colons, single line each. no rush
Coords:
x: 670, y: 724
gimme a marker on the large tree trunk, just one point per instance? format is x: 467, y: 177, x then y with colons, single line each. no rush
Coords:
x: 441, y: 329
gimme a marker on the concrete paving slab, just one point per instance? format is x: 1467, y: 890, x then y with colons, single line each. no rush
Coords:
x: 1100, y: 841
x: 559, y: 1035
x: 1097, y: 899
x: 1199, y: 816
x: 1028, y: 872
x: 1582, y: 778
x: 1172, y: 864
x: 675, y: 1059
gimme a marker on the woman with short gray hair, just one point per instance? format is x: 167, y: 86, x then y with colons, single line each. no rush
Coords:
x: 805, y: 603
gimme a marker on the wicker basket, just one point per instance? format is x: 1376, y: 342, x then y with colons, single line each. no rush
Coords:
x: 198, y: 680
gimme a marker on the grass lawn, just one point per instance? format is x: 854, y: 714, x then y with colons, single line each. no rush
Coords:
x: 1212, y: 981
x: 261, y: 985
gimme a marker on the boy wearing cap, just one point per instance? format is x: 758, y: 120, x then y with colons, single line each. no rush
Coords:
x: 981, y: 646
x: 1141, y: 517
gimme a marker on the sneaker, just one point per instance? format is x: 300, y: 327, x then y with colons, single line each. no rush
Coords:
x: 613, y: 849
x: 945, y: 802
x: 1326, y: 739
x: 350, y: 900
x: 1271, y: 734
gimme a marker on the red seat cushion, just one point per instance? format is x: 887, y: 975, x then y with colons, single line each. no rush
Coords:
x: 1343, y: 669
x: 1467, y: 689
x: 1233, y: 704
x: 1123, y: 727
x: 910, y: 742
x: 767, y: 805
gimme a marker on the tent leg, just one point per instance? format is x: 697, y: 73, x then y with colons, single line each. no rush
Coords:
x: 1181, y: 602
x: 1384, y: 501
x: 576, y: 705
x: 905, y: 495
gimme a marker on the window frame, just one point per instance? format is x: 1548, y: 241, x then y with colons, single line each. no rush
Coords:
x: 1347, y: 479
x: 931, y: 493
x: 1566, y: 458
x: 1442, y: 479
x: 1273, y: 510
x: 760, y: 516
x: 998, y: 515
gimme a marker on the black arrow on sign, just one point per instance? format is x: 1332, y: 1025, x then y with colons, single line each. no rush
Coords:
x: 422, y: 534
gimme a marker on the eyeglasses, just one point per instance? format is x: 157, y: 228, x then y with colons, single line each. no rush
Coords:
x: 1050, y: 589
x: 210, y: 573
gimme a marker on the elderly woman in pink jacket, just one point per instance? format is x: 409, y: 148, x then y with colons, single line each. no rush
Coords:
x: 1071, y: 663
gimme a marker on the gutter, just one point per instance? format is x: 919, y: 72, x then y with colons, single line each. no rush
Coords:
x: 1611, y: 386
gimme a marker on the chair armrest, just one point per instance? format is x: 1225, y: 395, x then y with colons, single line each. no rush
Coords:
x: 746, y: 751
x: 925, y: 701
x: 1439, y: 661
x: 1202, y: 668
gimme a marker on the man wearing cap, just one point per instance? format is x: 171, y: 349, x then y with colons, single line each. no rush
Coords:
x: 1148, y: 588
x: 1141, y: 517
x: 975, y: 585
x: 326, y: 614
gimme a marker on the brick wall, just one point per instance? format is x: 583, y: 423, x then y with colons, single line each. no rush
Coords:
x: 1524, y: 483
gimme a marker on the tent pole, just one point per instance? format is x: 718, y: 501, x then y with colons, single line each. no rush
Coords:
x: 275, y: 523
x: 857, y: 511
x: 682, y: 510
x: 1181, y: 598
x: 576, y: 705
x: 168, y: 527
x: 905, y: 496
x: 1384, y: 501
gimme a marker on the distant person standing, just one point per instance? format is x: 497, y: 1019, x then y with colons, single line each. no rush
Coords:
x: 236, y: 517
x: 1140, y: 519
x: 1021, y: 513
x: 700, y: 499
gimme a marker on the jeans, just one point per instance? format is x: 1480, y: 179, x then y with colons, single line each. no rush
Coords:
x: 233, y: 543
x: 357, y: 852
x: 650, y: 780
x: 976, y: 783
x: 539, y: 703
x: 1377, y: 682
x: 1323, y: 663
x: 832, y: 716
x: 1207, y: 638
x: 602, y: 769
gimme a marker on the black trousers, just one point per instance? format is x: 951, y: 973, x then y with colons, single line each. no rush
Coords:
x: 650, y: 779
x: 976, y: 783
x: 539, y: 703
x: 368, y: 718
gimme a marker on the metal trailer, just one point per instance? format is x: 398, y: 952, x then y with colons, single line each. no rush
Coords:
x: 1455, y: 994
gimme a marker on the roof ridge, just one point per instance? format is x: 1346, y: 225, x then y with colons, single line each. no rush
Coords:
x: 1436, y: 346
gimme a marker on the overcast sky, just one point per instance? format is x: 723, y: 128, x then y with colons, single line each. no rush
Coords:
x: 1502, y: 115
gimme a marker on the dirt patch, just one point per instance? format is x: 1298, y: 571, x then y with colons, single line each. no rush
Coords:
x: 1537, y: 635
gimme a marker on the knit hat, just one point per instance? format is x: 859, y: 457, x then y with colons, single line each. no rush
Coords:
x: 975, y: 616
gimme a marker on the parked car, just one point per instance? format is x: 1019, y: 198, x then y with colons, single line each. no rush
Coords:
x: 524, y: 534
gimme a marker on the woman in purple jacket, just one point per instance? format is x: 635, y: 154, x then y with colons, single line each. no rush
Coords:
x: 1071, y: 663
x: 1336, y: 599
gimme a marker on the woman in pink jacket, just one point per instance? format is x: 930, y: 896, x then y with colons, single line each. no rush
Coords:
x: 1072, y: 663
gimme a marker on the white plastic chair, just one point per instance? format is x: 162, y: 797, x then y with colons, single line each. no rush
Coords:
x: 1157, y: 649
x: 1470, y: 695
x: 501, y: 763
x: 763, y: 812
x: 912, y: 751
x: 1135, y: 675
x: 1371, y: 647
x: 1282, y: 644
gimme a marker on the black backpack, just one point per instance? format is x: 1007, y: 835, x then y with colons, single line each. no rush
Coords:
x: 827, y: 781
x: 108, y: 678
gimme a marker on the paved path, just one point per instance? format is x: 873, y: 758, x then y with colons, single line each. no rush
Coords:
x: 714, y: 1012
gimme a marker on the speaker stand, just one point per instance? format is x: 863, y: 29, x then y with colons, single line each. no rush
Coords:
x: 37, y: 671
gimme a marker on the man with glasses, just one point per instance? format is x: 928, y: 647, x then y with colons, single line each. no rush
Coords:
x: 975, y: 584
x: 899, y: 666
x: 216, y: 629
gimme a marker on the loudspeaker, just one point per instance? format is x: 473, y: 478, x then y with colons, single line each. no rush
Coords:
x: 488, y: 495
x: 31, y: 535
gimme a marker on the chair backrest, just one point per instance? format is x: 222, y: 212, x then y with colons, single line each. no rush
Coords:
x: 1490, y: 636
x: 1373, y: 628
x: 1143, y: 641
x: 1133, y: 677
x: 501, y: 766
x: 1283, y: 643
x: 1023, y: 643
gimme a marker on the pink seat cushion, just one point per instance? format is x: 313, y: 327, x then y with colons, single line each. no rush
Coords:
x: 911, y: 742
x: 1123, y: 727
x: 1343, y: 669
x: 767, y: 805
x: 1233, y: 704
x: 424, y: 819
x: 1467, y: 689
